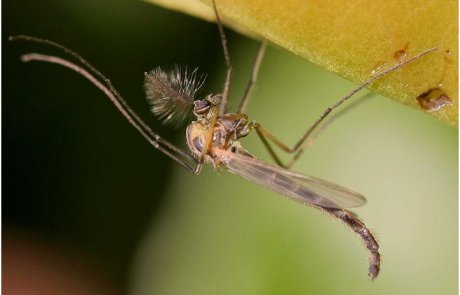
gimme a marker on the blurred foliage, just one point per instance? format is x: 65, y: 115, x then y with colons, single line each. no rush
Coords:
x: 78, y: 176
x: 355, y: 39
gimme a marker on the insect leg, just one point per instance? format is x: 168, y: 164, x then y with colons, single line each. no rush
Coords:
x: 266, y: 136
x: 306, y: 138
x: 253, y: 79
x: 228, y: 79
x: 208, y: 142
x: 109, y: 85
x: 154, y: 139
x: 302, y: 143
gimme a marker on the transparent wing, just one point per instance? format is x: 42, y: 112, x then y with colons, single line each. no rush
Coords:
x: 298, y: 187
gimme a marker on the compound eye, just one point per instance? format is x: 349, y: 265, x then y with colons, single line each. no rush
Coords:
x: 198, y: 144
x: 201, y: 106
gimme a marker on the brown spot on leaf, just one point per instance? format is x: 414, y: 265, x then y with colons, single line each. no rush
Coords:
x: 434, y: 99
x: 448, y: 56
x: 401, y: 53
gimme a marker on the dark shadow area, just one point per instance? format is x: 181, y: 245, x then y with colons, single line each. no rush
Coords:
x: 75, y: 173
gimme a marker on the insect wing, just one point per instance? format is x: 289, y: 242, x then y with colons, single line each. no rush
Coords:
x: 298, y: 187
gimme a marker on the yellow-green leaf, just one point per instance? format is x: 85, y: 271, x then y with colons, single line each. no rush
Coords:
x: 356, y: 38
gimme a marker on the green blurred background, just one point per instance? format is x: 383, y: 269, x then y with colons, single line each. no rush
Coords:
x: 78, y: 179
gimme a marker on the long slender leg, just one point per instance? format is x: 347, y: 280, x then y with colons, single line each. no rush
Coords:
x: 303, y: 142
x: 207, y: 144
x: 266, y: 135
x: 253, y: 79
x: 352, y: 105
x: 110, y: 86
x: 268, y: 147
x: 228, y: 79
x: 356, y: 225
x: 154, y: 139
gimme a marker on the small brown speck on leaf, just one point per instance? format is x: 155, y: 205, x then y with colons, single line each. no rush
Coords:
x: 434, y: 99
x: 401, y: 53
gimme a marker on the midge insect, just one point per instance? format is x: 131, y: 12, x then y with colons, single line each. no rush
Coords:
x: 213, y: 137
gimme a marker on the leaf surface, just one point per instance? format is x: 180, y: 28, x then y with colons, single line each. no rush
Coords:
x: 357, y: 38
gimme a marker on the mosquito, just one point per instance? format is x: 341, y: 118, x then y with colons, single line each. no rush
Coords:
x: 214, y: 136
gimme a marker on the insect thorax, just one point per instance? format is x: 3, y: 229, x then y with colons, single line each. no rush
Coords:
x: 225, y: 134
